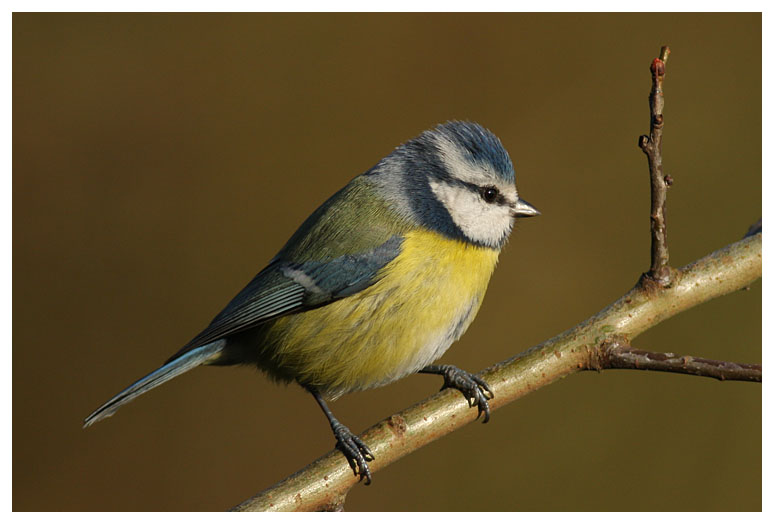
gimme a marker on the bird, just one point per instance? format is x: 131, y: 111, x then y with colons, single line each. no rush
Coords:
x: 375, y: 284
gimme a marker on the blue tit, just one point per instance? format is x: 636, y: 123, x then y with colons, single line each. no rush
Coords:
x: 376, y: 284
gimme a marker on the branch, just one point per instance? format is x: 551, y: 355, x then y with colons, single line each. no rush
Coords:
x: 622, y: 356
x: 323, y: 485
x: 652, y: 146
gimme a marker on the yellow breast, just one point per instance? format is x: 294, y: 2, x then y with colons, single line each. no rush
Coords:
x: 424, y: 301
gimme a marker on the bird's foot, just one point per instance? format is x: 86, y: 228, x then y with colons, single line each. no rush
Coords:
x: 476, y: 389
x: 355, y: 450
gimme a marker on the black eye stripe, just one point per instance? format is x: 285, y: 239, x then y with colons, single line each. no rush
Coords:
x: 499, y: 199
x: 490, y: 194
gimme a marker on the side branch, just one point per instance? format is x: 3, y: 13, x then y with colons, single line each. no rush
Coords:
x: 622, y: 356
x: 651, y: 145
x: 323, y: 485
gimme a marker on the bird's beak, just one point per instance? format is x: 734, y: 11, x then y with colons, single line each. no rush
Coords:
x: 523, y: 209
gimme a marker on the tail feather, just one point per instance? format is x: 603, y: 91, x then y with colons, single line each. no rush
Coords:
x: 174, y: 368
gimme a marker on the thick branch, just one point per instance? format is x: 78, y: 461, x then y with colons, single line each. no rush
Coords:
x: 623, y: 356
x: 324, y: 484
x: 652, y: 147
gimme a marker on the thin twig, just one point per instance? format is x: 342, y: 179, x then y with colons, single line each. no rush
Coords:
x: 623, y: 356
x: 652, y: 146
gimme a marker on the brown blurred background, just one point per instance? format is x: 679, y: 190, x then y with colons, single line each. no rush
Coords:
x: 161, y: 160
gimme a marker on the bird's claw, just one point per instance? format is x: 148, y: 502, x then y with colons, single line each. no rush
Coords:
x: 355, y: 451
x: 476, y: 389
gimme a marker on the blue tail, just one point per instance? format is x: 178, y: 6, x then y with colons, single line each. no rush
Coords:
x: 174, y: 368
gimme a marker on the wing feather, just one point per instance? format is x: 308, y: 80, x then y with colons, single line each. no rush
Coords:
x: 284, y: 287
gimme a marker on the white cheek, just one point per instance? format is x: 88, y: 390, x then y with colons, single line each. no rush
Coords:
x: 481, y: 222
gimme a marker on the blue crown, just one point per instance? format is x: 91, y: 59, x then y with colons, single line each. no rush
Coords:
x: 479, y: 145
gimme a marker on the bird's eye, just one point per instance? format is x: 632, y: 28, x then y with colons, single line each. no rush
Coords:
x: 489, y: 194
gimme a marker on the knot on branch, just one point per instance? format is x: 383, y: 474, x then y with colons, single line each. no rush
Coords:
x: 643, y: 143
x: 658, y: 66
x: 600, y: 356
x: 652, y: 282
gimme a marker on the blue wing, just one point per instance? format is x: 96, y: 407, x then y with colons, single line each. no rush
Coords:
x: 284, y: 287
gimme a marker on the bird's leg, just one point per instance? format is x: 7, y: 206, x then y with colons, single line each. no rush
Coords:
x: 476, y: 390
x: 353, y: 448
